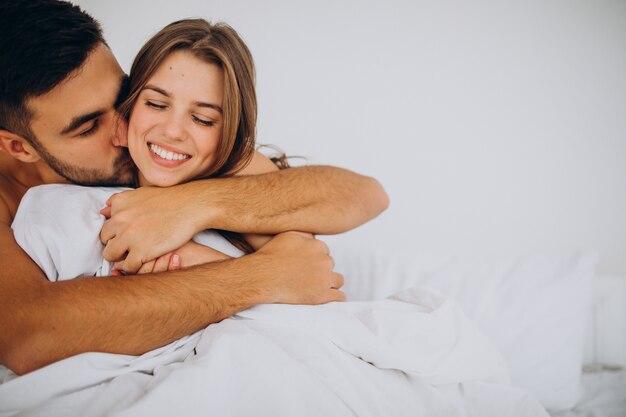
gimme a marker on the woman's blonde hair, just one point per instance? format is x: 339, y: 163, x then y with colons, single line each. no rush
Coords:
x: 217, y: 44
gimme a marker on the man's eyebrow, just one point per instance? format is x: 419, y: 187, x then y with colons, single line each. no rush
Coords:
x: 78, y: 121
x: 169, y: 95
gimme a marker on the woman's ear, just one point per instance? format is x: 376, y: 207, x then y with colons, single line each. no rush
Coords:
x: 17, y: 147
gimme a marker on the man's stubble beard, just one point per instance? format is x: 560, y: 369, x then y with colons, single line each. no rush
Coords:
x: 124, y: 172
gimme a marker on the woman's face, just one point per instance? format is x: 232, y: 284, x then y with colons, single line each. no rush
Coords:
x: 176, y: 124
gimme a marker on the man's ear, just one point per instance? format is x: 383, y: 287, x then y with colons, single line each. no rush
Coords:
x: 17, y: 147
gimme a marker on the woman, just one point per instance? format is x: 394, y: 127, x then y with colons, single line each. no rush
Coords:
x: 192, y: 114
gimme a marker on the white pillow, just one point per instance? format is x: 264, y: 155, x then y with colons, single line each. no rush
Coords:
x: 534, y: 308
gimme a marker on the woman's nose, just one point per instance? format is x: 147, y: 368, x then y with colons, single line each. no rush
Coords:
x: 174, y: 128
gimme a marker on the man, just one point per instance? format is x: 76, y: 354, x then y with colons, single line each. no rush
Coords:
x: 60, y: 85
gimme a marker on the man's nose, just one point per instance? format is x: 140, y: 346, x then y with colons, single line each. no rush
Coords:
x: 120, y: 132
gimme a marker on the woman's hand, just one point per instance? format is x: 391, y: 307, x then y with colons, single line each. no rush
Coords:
x: 194, y: 253
x: 190, y: 254
x: 168, y: 262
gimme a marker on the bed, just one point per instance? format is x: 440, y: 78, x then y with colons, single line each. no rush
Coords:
x: 567, y: 341
x: 548, y: 315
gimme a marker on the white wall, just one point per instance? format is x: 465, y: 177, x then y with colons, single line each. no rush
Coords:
x: 494, y: 126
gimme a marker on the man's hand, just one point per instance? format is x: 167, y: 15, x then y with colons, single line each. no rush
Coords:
x: 302, y: 270
x: 141, y: 227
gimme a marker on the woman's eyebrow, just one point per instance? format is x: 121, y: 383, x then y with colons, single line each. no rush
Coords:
x: 196, y: 103
x: 209, y: 105
x: 158, y: 90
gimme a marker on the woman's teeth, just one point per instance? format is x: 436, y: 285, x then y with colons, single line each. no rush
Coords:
x: 170, y: 156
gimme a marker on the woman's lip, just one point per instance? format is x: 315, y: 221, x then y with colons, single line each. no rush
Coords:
x: 166, y: 163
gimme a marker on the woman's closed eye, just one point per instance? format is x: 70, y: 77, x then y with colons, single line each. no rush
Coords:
x: 202, y: 121
x: 155, y: 105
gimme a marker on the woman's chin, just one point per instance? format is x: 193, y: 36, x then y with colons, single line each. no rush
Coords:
x: 162, y: 181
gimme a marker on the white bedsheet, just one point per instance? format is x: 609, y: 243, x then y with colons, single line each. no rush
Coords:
x: 413, y: 354
x: 416, y: 354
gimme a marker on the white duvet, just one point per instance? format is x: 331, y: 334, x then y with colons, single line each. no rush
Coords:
x: 414, y: 354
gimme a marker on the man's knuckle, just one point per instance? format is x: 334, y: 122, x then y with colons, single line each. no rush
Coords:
x: 327, y: 263
x: 106, y: 254
x: 115, y: 198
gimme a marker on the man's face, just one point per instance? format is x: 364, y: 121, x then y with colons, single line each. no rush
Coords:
x: 80, y: 134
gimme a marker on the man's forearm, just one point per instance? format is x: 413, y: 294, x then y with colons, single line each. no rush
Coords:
x: 129, y: 315
x: 318, y: 199
x: 149, y: 222
x: 43, y: 322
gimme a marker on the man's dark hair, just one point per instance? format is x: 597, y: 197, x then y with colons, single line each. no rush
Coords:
x: 41, y: 43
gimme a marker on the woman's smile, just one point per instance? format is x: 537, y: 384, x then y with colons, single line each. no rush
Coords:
x: 167, y: 157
